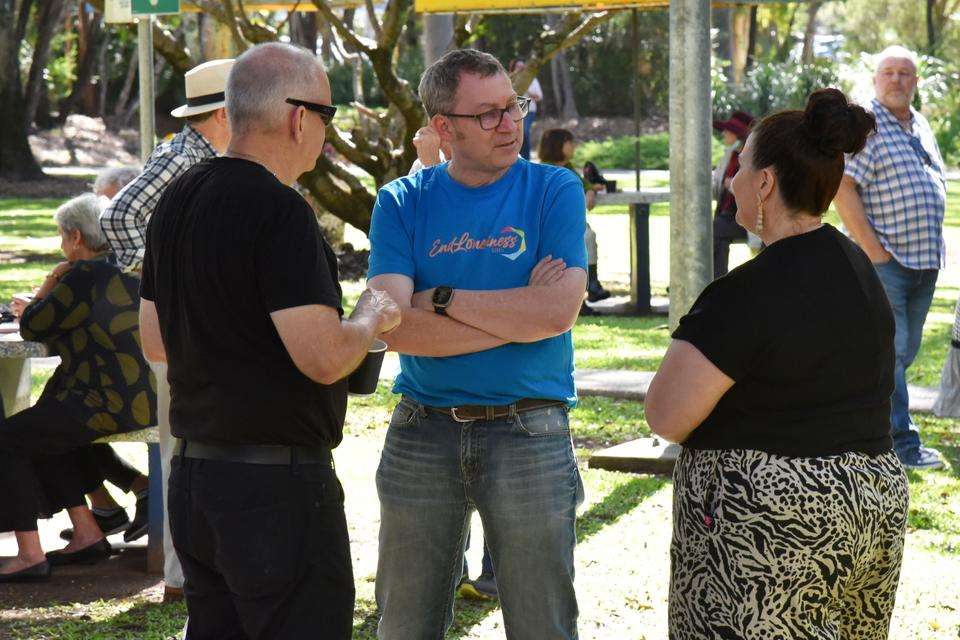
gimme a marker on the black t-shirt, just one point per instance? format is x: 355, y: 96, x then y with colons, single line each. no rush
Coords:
x: 806, y: 331
x: 227, y: 245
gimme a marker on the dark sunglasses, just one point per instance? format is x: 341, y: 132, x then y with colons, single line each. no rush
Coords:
x: 326, y: 111
x: 921, y: 152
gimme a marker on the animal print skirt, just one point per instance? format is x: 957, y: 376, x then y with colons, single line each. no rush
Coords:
x: 768, y: 547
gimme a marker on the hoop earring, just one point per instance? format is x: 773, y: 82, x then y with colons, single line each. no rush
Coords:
x: 759, y: 216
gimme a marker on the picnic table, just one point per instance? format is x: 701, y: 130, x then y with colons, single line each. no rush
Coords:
x: 15, y: 383
x: 639, y: 205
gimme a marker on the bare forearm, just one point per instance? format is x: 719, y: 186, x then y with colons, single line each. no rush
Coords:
x: 356, y: 336
x: 525, y: 314
x: 425, y: 333
x: 850, y: 207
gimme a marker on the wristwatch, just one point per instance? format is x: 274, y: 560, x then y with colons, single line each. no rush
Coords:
x: 442, y: 297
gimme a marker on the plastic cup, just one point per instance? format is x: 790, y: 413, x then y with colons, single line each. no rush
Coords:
x: 363, y: 380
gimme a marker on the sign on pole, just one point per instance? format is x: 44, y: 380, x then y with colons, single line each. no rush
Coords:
x: 155, y: 7
x: 118, y: 11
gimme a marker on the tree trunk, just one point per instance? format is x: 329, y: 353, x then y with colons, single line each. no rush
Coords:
x: 752, y: 40
x: 216, y: 40
x: 556, y: 86
x: 739, y: 43
x: 48, y: 18
x: 16, y: 158
x: 90, y: 31
x: 723, y: 23
x: 569, y: 110
x: 811, y: 30
x: 303, y: 30
x: 437, y: 36
x: 931, y: 28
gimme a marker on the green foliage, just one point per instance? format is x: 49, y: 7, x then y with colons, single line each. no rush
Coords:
x: 773, y: 86
x: 940, y: 97
x: 620, y: 153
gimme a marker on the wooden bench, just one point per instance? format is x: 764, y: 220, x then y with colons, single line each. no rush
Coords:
x: 150, y: 436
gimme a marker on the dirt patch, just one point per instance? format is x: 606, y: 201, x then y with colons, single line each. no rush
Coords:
x: 122, y: 576
x: 86, y: 142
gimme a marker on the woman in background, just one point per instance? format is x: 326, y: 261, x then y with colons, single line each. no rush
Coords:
x: 557, y: 147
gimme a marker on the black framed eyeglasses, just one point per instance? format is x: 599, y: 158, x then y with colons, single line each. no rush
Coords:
x: 917, y: 146
x: 326, y: 111
x: 491, y: 119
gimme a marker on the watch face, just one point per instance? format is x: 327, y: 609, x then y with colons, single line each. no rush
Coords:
x: 442, y: 296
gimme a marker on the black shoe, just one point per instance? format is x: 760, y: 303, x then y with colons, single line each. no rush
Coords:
x: 486, y: 586
x: 596, y: 292
x: 114, y: 523
x: 99, y: 550
x: 141, y: 521
x: 39, y: 572
x: 586, y: 310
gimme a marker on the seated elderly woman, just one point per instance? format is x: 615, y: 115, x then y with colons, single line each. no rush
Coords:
x: 86, y: 311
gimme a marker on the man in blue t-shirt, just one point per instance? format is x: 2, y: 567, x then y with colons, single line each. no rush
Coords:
x: 485, y: 256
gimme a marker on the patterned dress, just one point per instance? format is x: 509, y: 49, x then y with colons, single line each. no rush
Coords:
x: 91, y: 320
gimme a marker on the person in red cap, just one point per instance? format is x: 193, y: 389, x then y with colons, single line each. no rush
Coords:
x: 726, y: 231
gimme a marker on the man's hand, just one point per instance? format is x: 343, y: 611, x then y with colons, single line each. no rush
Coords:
x: 379, y: 304
x: 547, y: 272
x: 879, y: 255
x: 427, y: 142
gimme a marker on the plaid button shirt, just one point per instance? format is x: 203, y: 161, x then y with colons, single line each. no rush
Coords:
x: 903, y: 184
x: 124, y: 222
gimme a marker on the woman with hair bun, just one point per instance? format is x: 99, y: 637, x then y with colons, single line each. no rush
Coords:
x: 789, y: 504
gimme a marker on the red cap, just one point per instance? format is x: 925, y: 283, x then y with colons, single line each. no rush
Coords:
x: 738, y: 124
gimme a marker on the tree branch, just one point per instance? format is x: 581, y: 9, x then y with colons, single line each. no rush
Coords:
x: 359, y: 44
x: 554, y: 40
x: 372, y: 17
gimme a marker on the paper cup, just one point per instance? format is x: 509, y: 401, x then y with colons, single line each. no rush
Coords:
x: 363, y: 380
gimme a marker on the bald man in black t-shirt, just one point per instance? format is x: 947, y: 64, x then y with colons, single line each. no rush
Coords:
x: 240, y: 297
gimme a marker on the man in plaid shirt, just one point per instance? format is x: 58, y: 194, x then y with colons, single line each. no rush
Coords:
x: 892, y: 201
x: 205, y: 134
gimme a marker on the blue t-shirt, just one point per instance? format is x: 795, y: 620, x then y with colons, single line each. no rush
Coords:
x: 438, y: 232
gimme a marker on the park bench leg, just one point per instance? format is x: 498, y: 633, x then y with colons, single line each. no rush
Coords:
x: 155, y: 532
x: 640, y: 257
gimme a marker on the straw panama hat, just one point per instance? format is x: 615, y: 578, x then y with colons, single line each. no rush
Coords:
x: 206, y: 84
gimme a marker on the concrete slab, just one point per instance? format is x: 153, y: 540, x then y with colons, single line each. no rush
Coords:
x: 644, y: 455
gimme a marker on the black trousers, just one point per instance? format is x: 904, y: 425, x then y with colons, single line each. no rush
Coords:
x: 264, y: 550
x: 112, y: 467
x: 45, y: 464
x: 726, y: 231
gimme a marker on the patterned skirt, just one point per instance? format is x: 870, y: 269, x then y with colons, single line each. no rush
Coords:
x: 769, y: 547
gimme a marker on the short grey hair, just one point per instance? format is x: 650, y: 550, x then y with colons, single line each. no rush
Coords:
x: 896, y: 51
x: 262, y: 79
x: 439, y: 83
x: 82, y: 214
x: 117, y: 177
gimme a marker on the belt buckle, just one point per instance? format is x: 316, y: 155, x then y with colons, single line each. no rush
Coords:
x: 456, y: 418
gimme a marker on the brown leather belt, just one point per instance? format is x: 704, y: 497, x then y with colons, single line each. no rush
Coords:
x: 470, y: 412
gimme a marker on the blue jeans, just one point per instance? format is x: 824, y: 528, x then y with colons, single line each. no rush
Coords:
x: 910, y: 292
x: 525, y: 147
x: 520, y: 474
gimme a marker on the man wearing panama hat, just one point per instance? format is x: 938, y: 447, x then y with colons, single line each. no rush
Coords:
x: 205, y: 135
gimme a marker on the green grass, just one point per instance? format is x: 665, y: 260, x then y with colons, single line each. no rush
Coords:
x: 622, y: 511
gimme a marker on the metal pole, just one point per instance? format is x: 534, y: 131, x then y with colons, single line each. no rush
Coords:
x: 691, y: 231
x: 145, y: 59
x: 636, y: 92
